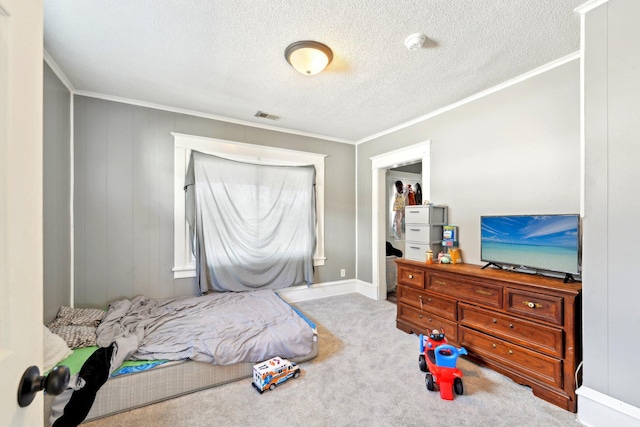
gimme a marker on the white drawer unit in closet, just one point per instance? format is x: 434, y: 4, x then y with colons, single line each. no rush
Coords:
x: 423, y: 230
x: 416, y: 251
x: 417, y: 214
x: 417, y: 232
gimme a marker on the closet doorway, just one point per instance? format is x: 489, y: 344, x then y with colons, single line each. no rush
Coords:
x: 381, y: 164
x: 409, y: 177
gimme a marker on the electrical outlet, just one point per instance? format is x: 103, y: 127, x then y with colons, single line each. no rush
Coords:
x: 343, y: 273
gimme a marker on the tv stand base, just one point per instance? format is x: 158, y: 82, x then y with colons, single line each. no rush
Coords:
x: 492, y: 264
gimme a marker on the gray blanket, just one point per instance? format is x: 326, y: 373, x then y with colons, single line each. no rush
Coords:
x: 222, y: 328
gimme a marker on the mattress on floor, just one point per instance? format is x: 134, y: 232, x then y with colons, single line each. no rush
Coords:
x: 80, y: 355
x: 165, y: 381
x: 138, y: 388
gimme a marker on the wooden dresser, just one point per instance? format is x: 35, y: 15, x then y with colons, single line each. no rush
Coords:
x: 526, y: 327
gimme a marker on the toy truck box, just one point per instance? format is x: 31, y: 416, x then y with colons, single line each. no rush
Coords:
x: 273, y: 372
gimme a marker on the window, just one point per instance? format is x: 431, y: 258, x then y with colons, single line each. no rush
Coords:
x: 184, y: 262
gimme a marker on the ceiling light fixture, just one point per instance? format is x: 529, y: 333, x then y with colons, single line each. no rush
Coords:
x: 308, y: 57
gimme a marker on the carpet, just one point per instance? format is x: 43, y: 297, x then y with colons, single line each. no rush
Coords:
x: 366, y: 374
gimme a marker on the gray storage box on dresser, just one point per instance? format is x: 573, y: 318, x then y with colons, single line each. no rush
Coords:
x: 524, y: 326
x: 423, y: 230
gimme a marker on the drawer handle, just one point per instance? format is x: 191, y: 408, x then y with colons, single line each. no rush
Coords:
x: 510, y: 351
x: 420, y: 316
x: 532, y: 304
x: 415, y: 247
x: 483, y: 292
x: 414, y: 211
x: 511, y: 325
x: 411, y: 276
x: 495, y: 320
x: 493, y: 345
x: 421, y: 306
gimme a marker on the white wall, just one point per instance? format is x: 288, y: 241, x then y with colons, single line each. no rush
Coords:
x: 611, y: 233
x: 56, y: 194
x: 123, y: 198
x: 515, y: 151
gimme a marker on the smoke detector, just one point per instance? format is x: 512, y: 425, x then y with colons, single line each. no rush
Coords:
x: 415, y: 41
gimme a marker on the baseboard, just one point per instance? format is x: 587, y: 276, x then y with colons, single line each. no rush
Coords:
x: 328, y: 289
x: 598, y: 409
x: 318, y: 290
x: 367, y: 289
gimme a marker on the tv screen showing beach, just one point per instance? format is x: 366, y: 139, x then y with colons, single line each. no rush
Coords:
x: 546, y: 242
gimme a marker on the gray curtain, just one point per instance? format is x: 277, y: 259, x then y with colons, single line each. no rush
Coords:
x: 253, y: 226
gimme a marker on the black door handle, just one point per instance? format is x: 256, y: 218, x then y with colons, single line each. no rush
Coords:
x: 32, y: 382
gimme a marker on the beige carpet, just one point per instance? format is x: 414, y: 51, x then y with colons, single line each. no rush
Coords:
x: 366, y: 374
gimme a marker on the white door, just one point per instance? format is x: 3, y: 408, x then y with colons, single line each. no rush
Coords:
x: 21, y: 265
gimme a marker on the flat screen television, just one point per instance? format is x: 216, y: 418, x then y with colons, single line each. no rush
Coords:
x: 532, y: 242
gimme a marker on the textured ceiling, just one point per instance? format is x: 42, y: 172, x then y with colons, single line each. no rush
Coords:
x: 226, y: 58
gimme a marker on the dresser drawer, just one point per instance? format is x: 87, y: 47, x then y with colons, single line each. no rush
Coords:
x: 443, y: 307
x: 416, y: 251
x: 528, y: 363
x: 425, y: 322
x: 538, y: 337
x: 410, y: 277
x: 417, y: 233
x: 536, y: 306
x: 416, y: 214
x: 483, y: 293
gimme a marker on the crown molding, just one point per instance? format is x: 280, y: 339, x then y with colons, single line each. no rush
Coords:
x: 206, y: 115
x: 482, y: 94
x: 63, y: 78
x: 590, y: 5
x: 561, y: 61
x: 57, y: 71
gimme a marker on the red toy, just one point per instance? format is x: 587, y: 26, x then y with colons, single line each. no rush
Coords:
x: 438, y: 359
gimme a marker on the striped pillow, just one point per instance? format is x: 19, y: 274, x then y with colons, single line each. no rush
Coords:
x: 78, y: 317
x: 77, y: 326
x: 76, y: 336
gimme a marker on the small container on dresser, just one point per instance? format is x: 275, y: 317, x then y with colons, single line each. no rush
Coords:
x: 423, y: 230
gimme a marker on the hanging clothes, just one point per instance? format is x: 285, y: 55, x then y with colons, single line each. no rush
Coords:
x: 398, y: 207
x: 411, y: 196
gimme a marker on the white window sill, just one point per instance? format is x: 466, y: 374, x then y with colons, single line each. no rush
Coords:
x: 190, y: 270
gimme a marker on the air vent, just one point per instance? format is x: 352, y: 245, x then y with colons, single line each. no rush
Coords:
x: 264, y: 115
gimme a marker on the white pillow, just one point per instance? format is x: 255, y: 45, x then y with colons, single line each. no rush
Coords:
x: 55, y: 349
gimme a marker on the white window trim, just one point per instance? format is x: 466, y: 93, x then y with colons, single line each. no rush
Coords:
x: 184, y: 264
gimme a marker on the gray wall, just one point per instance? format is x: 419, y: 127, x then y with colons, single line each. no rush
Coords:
x: 123, y: 198
x: 611, y: 231
x: 56, y: 193
x: 516, y: 151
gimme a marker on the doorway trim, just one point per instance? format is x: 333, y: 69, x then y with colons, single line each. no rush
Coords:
x: 379, y: 165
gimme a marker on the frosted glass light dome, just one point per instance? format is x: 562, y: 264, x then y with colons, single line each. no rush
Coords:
x: 308, y: 57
